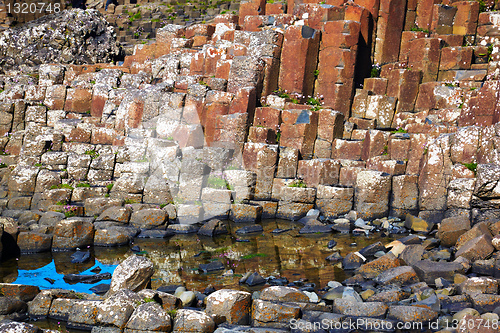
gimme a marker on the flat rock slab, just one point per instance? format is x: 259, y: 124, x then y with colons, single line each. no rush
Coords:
x: 428, y: 271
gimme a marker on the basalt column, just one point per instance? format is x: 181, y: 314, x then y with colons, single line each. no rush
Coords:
x: 337, y: 59
x: 298, y: 59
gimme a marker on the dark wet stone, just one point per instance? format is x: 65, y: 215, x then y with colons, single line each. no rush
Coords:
x: 80, y: 257
x: 243, y: 240
x: 135, y: 248
x: 280, y: 231
x: 212, y: 228
x: 278, y: 281
x: 352, y: 261
x: 315, y: 227
x: 250, y: 229
x: 96, y: 270
x: 371, y: 249
x: 49, y: 280
x: 86, y: 278
x: 253, y: 279
x: 100, y: 289
x: 331, y: 244
x: 307, y: 219
x: 210, y: 267
x: 208, y: 290
x: 334, y: 257
x: 145, y: 233
x: 307, y: 288
x: 410, y: 239
x: 170, y: 289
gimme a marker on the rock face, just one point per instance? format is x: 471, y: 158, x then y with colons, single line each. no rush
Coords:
x: 72, y: 37
x: 133, y: 273
x: 230, y: 305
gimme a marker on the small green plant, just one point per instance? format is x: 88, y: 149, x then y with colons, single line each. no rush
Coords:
x: 61, y: 203
x: 253, y: 255
x: 172, y: 313
x: 136, y: 16
x: 385, y: 150
x: 130, y: 201
x: 298, y: 183
x: 163, y: 206
x: 316, y: 73
x: 92, y: 153
x: 483, y: 7
x: 218, y: 183
x: 399, y: 130
x: 420, y: 29
x: 66, y: 186
x: 171, y: 138
x: 109, y: 186
x: 282, y: 93
x: 106, y: 195
x: 83, y: 185
x: 203, y: 83
x: 68, y: 211
x: 92, y: 81
x: 278, y: 136
x: 376, y: 69
x: 148, y: 300
x: 3, y: 165
x: 471, y: 166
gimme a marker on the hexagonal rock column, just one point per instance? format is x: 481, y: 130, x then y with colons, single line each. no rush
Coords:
x: 298, y: 59
x: 337, y: 60
x: 295, y: 202
x: 372, y: 194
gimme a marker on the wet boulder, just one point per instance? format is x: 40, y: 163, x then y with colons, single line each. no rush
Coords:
x: 117, y: 214
x: 268, y: 314
x: 10, y: 305
x: 113, y: 236
x: 283, y: 294
x: 452, y: 228
x: 379, y: 265
x: 212, y: 228
x: 428, y: 271
x: 149, y: 317
x: 72, y: 233
x: 417, y: 224
x: 353, y: 308
x: 133, y: 273
x: 411, y: 313
x: 398, y: 275
x: 12, y: 326
x: 24, y: 292
x: 193, y: 321
x: 117, y: 308
x: 232, y: 306
x: 476, y: 249
x: 148, y: 218
x: 33, y: 242
x: 83, y: 314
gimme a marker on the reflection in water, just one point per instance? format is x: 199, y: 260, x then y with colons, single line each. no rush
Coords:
x: 177, y: 259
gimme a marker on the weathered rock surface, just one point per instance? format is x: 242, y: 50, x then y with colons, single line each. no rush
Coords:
x: 71, y: 36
